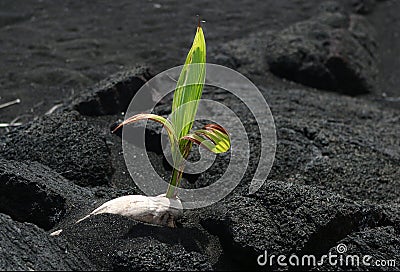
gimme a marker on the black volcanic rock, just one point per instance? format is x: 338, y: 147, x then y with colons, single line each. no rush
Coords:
x: 31, y: 192
x: 336, y: 143
x: 392, y: 212
x: 113, y: 94
x: 363, y: 6
x: 363, y: 249
x: 302, y: 214
x: 115, y: 242
x: 284, y: 218
x: 24, y: 246
x: 331, y: 51
x: 65, y: 143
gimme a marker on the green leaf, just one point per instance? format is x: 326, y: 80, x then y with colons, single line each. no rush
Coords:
x: 213, y: 137
x: 190, y: 85
x: 187, y: 94
x: 148, y: 116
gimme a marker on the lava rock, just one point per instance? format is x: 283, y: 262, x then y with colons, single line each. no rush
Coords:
x: 161, y: 257
x: 294, y: 151
x: 64, y: 142
x: 247, y: 55
x: 371, y: 177
x: 335, y: 143
x: 330, y: 6
x: 24, y: 246
x: 115, y: 242
x: 112, y: 95
x: 283, y: 218
x: 332, y: 51
x: 31, y: 192
x: 392, y: 213
x: 378, y: 244
x: 363, y: 6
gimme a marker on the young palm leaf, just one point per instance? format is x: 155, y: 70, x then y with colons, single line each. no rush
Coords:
x: 184, y: 107
x: 148, y: 116
x: 190, y: 85
x: 213, y: 137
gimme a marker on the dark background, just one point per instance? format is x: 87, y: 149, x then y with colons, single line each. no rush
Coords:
x: 50, y: 50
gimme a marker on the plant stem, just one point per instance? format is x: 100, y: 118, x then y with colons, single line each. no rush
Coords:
x: 179, y: 165
x: 174, y: 183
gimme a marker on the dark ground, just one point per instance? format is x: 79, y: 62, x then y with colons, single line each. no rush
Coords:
x: 336, y: 176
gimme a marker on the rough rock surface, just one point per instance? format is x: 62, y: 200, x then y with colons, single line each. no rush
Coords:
x: 332, y: 51
x: 26, y: 247
x: 363, y: 6
x: 115, y: 242
x: 375, y: 249
x: 284, y: 218
x: 246, y: 54
x: 392, y: 213
x: 329, y: 146
x: 64, y: 142
x: 31, y: 192
x: 336, y: 143
x: 113, y: 94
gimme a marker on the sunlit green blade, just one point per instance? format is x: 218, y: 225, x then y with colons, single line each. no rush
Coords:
x: 190, y: 85
x: 188, y: 89
x: 144, y: 116
x: 213, y: 137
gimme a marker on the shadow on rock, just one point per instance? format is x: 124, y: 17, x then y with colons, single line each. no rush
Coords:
x: 113, y: 95
x: 31, y: 192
